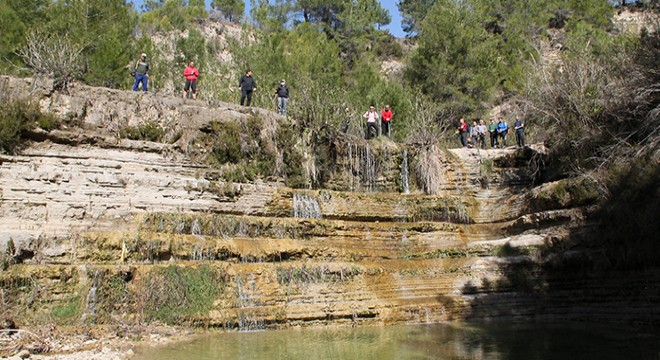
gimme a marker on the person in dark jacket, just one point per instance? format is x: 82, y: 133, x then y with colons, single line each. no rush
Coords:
x: 519, y: 125
x: 141, y: 72
x: 282, y: 92
x: 247, y: 86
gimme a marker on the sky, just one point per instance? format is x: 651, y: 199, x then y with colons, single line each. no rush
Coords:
x: 394, y: 27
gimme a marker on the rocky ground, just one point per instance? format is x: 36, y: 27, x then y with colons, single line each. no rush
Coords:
x: 87, y: 343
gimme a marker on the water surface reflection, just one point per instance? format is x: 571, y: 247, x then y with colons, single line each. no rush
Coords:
x: 430, y: 341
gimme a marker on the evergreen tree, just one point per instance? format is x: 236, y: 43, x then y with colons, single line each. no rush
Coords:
x: 271, y: 15
x: 17, y: 17
x: 165, y: 15
x: 232, y: 10
x: 361, y: 16
x: 321, y: 11
x: 104, y: 29
x: 413, y: 13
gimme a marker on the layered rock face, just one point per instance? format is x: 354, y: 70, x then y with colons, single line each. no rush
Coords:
x: 97, y: 220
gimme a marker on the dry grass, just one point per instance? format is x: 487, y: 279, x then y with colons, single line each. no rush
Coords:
x: 429, y: 169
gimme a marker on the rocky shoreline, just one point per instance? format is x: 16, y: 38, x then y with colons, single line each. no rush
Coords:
x: 87, y: 343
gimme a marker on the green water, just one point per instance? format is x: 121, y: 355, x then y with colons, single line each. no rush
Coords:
x: 432, y: 341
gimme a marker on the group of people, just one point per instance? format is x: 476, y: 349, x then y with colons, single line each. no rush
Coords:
x: 470, y: 136
x: 372, y: 117
x: 247, y: 85
x: 475, y: 135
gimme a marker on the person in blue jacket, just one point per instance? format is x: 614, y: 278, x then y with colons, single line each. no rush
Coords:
x: 502, y: 130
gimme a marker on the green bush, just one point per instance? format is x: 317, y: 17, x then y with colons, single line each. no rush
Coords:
x: 149, y: 131
x: 227, y: 142
x: 16, y: 118
x: 176, y: 294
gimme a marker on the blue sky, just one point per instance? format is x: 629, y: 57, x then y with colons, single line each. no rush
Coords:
x: 390, y: 5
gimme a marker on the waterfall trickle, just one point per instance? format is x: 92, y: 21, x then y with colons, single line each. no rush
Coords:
x: 305, y: 207
x: 248, y: 317
x: 369, y: 168
x: 196, y: 228
x: 363, y: 167
x: 91, y: 301
x: 405, y: 177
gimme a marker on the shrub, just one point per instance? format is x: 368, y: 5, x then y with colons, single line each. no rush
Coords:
x: 176, y: 294
x: 149, y: 131
x: 16, y: 118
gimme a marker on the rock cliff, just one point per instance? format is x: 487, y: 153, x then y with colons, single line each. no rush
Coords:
x: 100, y: 226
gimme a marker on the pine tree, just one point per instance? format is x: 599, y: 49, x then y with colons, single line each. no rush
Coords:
x: 231, y: 9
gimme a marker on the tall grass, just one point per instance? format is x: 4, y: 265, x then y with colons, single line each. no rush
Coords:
x: 175, y: 295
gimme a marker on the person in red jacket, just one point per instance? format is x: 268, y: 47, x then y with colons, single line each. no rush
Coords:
x: 191, y: 73
x: 463, y: 132
x: 386, y: 117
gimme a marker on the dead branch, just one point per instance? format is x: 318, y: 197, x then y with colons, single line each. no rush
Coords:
x: 53, y: 56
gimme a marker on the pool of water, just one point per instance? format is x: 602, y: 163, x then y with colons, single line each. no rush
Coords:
x: 428, y: 341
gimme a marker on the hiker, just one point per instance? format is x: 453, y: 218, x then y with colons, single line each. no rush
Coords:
x: 492, y: 129
x: 474, y: 136
x: 502, y: 130
x: 463, y: 132
x: 372, y: 119
x: 519, y: 125
x: 481, y: 134
x: 386, y: 118
x: 190, y: 73
x: 141, y: 73
x: 247, y: 85
x: 282, y: 92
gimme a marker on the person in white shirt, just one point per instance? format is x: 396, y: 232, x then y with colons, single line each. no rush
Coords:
x: 372, y: 122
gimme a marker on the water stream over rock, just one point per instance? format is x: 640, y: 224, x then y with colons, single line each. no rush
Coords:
x: 305, y: 207
x: 405, y: 174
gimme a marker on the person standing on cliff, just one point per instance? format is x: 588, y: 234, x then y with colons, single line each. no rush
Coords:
x: 519, y: 125
x: 141, y: 73
x: 386, y: 119
x: 282, y: 92
x: 474, y: 136
x: 372, y: 120
x: 247, y: 85
x: 190, y: 73
x: 481, y: 134
x: 492, y: 129
x: 463, y: 132
x: 502, y: 130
